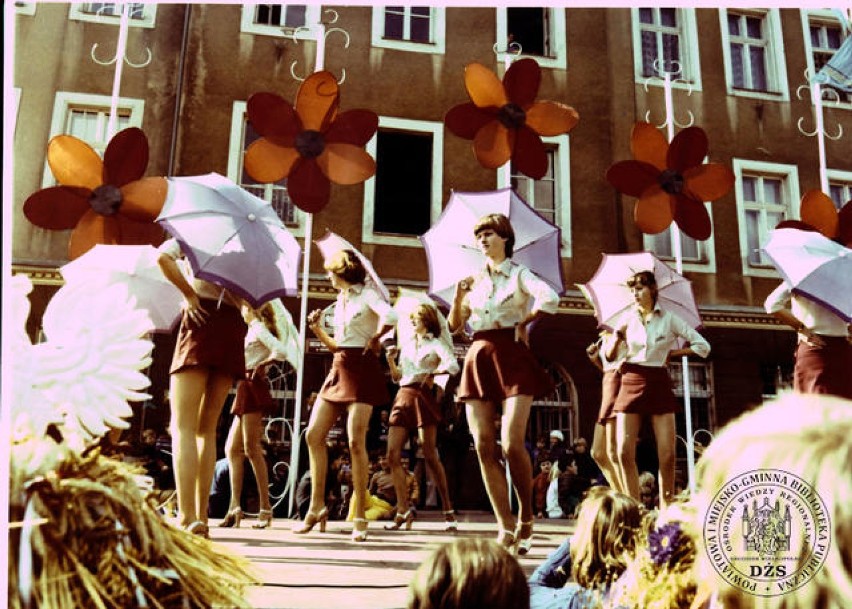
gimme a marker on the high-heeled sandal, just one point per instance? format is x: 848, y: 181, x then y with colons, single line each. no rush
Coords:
x: 232, y: 518
x: 311, y: 520
x: 524, y: 541
x: 402, y: 519
x: 264, y: 520
x: 359, y: 535
x: 198, y: 528
x: 450, y: 522
x: 507, y: 540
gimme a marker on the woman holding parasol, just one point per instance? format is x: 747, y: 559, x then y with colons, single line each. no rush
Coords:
x: 501, y: 376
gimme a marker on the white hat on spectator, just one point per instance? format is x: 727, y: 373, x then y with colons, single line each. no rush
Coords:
x: 558, y: 435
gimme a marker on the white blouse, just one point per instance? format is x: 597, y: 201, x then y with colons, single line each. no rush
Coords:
x: 503, y: 296
x: 815, y: 318
x: 649, y: 342
x: 358, y: 314
x: 204, y: 289
x: 423, y: 356
x: 261, y: 345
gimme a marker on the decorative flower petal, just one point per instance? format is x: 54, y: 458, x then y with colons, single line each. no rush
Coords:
x: 74, y: 163
x: 465, y: 120
x: 648, y: 144
x: 58, y: 207
x: 317, y: 101
x: 521, y: 82
x: 797, y: 224
x: 708, y: 182
x: 493, y: 145
x: 844, y: 229
x: 346, y: 164
x: 308, y: 186
x: 529, y: 155
x: 483, y: 86
x: 653, y: 212
x: 267, y: 162
x: 688, y: 149
x: 550, y: 118
x: 273, y: 118
x: 126, y: 157
x: 632, y: 177
x: 138, y: 233
x: 818, y: 210
x: 142, y: 200
x: 92, y: 229
x: 692, y: 218
x: 354, y: 127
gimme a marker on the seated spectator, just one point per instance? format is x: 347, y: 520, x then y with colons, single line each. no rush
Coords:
x: 157, y: 463
x: 552, y: 507
x: 381, y: 495
x: 539, y: 449
x: 220, y: 491
x: 333, y: 493
x: 587, y: 469
x: 469, y: 573
x: 557, y: 445
x: 571, y: 487
x: 806, y: 435
x: 648, y: 490
x: 540, y: 484
x: 594, y: 557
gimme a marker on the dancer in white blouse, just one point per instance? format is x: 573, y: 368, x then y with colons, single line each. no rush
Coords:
x: 420, y: 358
x: 501, y: 375
x: 650, y: 334
x: 354, y: 384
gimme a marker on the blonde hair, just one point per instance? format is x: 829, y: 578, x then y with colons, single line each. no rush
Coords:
x: 428, y: 314
x: 469, y: 573
x: 605, y: 537
x: 346, y: 265
x: 808, y: 436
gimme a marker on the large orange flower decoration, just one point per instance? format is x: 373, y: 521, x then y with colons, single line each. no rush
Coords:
x: 104, y: 201
x: 310, y: 144
x: 505, y: 121
x: 819, y: 214
x: 670, y: 181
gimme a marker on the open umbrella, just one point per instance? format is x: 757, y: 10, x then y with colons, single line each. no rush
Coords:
x: 815, y: 267
x: 331, y: 243
x: 608, y: 292
x: 451, y: 246
x: 406, y: 303
x: 231, y: 237
x: 134, y: 266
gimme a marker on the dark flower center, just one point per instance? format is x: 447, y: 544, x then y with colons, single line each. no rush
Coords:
x: 105, y: 199
x: 310, y: 144
x: 671, y: 181
x: 512, y: 116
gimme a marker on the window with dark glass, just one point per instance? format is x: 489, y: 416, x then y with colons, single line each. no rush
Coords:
x: 409, y: 23
x: 661, y: 38
x: 403, y: 192
x: 282, y: 15
x: 530, y: 28
x: 113, y: 9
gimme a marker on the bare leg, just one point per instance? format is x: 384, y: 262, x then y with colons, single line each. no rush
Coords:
x: 516, y: 413
x: 234, y: 449
x: 627, y: 427
x: 252, y: 424
x: 323, y: 416
x: 429, y: 442
x: 664, y: 434
x: 356, y: 428
x: 603, y: 452
x: 396, y: 440
x: 480, y: 417
x: 187, y: 390
x: 218, y: 386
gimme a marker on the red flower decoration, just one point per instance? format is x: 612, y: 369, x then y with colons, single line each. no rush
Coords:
x: 504, y: 120
x: 310, y: 144
x: 819, y: 214
x: 670, y: 181
x: 103, y: 201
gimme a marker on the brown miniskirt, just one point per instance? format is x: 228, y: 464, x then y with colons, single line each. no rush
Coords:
x: 414, y: 406
x: 826, y: 369
x: 253, y: 393
x: 216, y: 344
x: 610, y: 385
x: 497, y: 367
x: 645, y: 390
x: 355, y: 376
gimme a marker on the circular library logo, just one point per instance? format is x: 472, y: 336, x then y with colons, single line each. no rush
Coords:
x: 767, y: 532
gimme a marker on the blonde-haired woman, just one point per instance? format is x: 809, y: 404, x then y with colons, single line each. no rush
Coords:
x: 354, y: 384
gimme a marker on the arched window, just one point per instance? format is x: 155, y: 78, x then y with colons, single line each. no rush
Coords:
x: 558, y: 409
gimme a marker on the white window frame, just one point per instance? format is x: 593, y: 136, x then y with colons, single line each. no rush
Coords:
x: 436, y: 130
x: 839, y: 176
x: 708, y: 247
x: 438, y: 32
x: 236, y: 137
x: 558, y: 37
x: 690, y: 76
x: 67, y: 100
x: 776, y: 67
x: 25, y: 7
x: 149, y: 14
x: 789, y: 174
x: 308, y: 32
x: 562, y: 169
x: 822, y: 17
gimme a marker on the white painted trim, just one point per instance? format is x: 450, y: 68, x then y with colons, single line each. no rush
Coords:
x: 26, y: 8
x: 708, y: 265
x: 438, y: 37
x: 558, y: 38
x: 821, y: 17
x: 690, y: 56
x: 776, y: 66
x: 436, y: 129
x: 312, y: 18
x: 149, y: 15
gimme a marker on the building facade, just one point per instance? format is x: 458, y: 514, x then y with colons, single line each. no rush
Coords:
x: 189, y: 70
